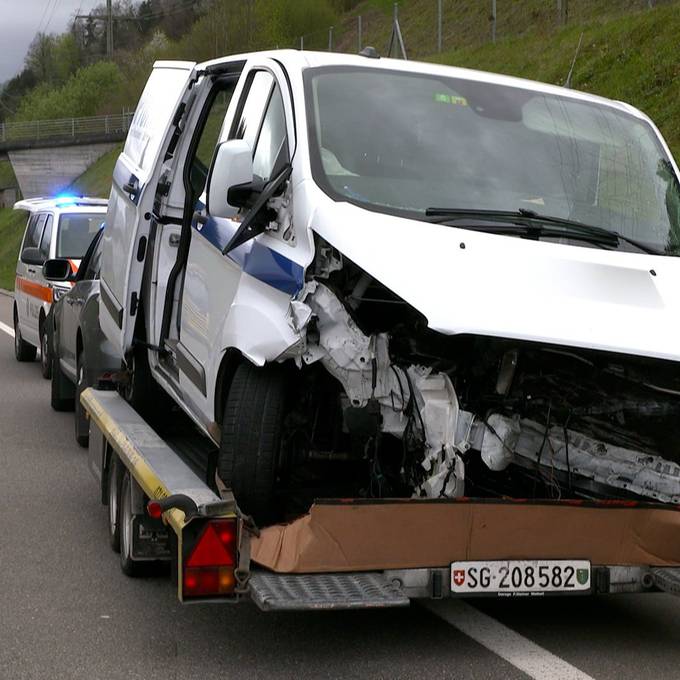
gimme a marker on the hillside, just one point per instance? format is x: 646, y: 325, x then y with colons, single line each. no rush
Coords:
x: 628, y: 52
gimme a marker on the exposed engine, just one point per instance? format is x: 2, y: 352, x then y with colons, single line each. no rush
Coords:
x: 441, y: 416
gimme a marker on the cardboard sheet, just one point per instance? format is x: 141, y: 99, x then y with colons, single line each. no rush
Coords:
x: 362, y: 535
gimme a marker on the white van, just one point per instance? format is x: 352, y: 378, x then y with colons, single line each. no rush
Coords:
x: 464, y: 283
x: 57, y: 227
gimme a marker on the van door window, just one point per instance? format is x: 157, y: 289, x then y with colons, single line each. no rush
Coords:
x: 271, y: 149
x: 46, y: 238
x: 198, y: 168
x: 249, y: 121
x: 34, y: 231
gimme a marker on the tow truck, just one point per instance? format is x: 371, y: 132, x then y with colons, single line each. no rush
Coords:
x: 166, y: 504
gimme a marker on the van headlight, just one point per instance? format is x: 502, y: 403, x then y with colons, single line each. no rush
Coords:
x: 58, y: 292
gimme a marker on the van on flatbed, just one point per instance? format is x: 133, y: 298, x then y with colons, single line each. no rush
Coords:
x: 447, y: 295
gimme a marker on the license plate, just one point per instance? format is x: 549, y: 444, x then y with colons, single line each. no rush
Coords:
x: 520, y: 577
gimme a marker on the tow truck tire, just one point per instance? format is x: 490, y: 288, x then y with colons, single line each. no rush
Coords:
x: 113, y: 484
x: 45, y: 360
x: 82, y: 424
x: 129, y: 566
x: 22, y: 350
x: 250, y: 447
x: 62, y: 390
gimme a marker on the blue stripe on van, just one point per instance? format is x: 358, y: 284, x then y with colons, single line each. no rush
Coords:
x: 256, y: 259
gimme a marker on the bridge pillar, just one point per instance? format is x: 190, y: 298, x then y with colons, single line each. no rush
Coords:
x: 45, y: 171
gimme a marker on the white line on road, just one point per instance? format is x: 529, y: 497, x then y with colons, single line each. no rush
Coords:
x: 6, y: 329
x: 522, y: 653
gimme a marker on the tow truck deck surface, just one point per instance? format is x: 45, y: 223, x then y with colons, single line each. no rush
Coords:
x: 208, y: 542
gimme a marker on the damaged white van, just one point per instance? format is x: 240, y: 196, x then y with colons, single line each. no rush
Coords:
x: 368, y: 277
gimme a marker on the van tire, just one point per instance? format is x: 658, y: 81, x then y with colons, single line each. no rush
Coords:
x: 113, y: 484
x: 128, y: 566
x: 45, y: 353
x: 62, y: 389
x: 250, y: 446
x: 81, y: 422
x: 22, y: 350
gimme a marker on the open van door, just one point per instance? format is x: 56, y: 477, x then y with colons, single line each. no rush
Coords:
x: 133, y: 189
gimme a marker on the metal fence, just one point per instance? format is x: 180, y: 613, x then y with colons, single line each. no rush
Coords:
x: 424, y: 29
x: 65, y: 128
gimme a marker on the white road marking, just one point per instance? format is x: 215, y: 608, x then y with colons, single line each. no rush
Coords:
x: 6, y: 329
x: 522, y: 653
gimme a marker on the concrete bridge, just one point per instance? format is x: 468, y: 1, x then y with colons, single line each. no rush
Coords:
x: 48, y: 155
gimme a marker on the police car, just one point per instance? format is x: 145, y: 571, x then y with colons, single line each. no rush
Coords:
x: 60, y: 227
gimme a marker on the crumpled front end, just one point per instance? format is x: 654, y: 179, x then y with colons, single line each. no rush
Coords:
x: 426, y: 414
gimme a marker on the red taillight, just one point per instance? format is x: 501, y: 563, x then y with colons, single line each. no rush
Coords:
x: 154, y: 509
x: 209, y: 568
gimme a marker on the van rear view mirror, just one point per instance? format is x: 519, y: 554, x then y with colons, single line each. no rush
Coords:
x: 58, y: 270
x: 32, y: 256
x: 233, y: 166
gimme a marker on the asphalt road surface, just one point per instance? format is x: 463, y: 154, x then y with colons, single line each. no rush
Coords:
x: 67, y: 611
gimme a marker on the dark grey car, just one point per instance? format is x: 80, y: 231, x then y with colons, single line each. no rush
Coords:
x: 81, y: 355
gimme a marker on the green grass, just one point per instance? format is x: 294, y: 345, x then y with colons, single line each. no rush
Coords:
x: 7, y: 178
x: 632, y: 58
x: 12, y: 223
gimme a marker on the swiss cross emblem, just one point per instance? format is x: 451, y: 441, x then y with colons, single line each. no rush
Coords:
x: 459, y: 576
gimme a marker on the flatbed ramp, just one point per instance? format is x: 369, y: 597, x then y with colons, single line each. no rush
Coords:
x: 209, y: 541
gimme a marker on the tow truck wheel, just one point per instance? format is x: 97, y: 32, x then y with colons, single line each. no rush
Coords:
x: 82, y: 425
x: 113, y: 488
x: 45, y: 361
x: 125, y: 526
x: 61, y: 396
x: 22, y: 350
x: 250, y: 447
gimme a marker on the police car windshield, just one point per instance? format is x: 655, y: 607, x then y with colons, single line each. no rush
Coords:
x: 76, y: 231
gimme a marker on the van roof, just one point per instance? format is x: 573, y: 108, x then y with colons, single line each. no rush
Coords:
x: 301, y: 60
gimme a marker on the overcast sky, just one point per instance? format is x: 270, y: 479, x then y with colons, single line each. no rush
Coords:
x: 20, y: 20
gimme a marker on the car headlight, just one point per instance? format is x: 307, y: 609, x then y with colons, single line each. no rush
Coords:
x: 58, y: 292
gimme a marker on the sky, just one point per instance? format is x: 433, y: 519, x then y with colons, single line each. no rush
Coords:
x: 20, y: 20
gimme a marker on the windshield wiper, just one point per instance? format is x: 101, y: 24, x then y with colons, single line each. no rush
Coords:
x: 534, y: 222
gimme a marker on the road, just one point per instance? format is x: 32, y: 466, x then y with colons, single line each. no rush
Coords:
x: 67, y: 611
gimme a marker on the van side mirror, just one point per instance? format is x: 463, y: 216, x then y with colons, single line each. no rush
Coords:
x: 32, y: 256
x: 58, y: 270
x: 233, y: 166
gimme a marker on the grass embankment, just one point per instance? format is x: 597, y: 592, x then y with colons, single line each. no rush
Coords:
x: 95, y: 181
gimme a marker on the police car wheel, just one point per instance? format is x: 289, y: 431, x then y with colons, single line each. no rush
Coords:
x: 22, y: 350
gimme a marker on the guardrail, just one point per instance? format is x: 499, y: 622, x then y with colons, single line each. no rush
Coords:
x: 65, y: 128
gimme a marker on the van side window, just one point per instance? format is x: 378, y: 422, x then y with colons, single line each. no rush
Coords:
x: 198, y: 168
x: 46, y: 238
x: 271, y: 148
x: 34, y: 231
x: 249, y: 121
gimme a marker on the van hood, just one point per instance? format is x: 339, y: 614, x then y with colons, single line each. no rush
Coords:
x: 503, y: 286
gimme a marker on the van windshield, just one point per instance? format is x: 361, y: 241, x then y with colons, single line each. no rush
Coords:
x: 401, y: 142
x: 76, y: 231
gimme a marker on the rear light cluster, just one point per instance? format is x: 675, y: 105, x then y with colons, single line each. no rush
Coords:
x: 209, y: 568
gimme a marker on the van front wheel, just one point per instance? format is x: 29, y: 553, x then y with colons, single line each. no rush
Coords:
x: 251, y: 442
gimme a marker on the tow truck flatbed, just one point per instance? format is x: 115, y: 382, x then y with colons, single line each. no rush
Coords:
x: 173, y: 513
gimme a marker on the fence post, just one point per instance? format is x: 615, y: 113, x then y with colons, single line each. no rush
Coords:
x: 106, y: 125
x: 73, y: 127
x: 37, y: 129
x: 563, y: 11
x: 330, y: 38
x: 439, y: 25
x: 2, y: 128
x: 359, y: 32
x: 302, y: 42
x: 493, y: 21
